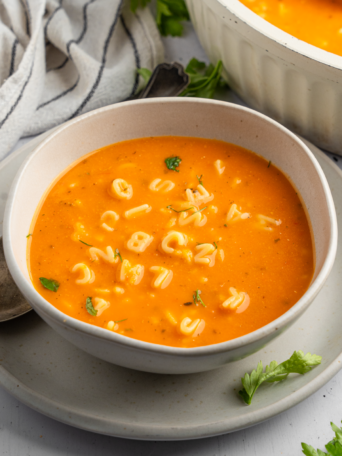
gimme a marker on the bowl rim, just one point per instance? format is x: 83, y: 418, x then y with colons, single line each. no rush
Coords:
x: 61, y: 319
x: 277, y: 35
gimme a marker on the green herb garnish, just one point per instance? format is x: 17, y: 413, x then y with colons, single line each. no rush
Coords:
x: 269, y: 164
x: 50, y: 284
x: 200, y: 179
x: 138, y: 3
x: 225, y: 225
x: 334, y: 447
x: 203, y: 79
x: 90, y: 307
x: 215, y: 245
x: 172, y: 163
x: 145, y: 73
x: 85, y: 243
x: 197, y: 298
x: 200, y: 210
x: 169, y: 15
x: 117, y: 253
x: 175, y: 210
x: 119, y: 321
x: 297, y: 364
x: 29, y: 235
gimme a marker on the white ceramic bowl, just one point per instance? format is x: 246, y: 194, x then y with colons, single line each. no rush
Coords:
x: 157, y: 117
x: 294, y: 82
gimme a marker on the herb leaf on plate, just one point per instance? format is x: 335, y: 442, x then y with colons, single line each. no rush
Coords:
x: 49, y: 284
x: 298, y: 363
x: 90, y: 307
x: 334, y: 447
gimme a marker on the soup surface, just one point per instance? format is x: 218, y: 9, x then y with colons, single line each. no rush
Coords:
x: 172, y: 240
x: 317, y: 22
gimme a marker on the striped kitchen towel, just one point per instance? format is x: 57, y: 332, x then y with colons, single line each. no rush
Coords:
x: 62, y: 58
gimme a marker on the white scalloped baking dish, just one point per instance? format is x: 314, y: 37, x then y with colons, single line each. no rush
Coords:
x: 292, y: 81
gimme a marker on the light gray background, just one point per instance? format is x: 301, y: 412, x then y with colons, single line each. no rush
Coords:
x: 24, y: 432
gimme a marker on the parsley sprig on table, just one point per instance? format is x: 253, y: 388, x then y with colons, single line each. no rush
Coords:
x: 204, y: 80
x: 170, y: 14
x: 334, y: 447
x: 297, y: 364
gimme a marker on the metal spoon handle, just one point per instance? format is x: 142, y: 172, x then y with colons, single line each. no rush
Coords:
x: 167, y: 80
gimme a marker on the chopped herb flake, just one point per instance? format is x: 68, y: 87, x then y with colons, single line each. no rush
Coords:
x: 119, y: 321
x: 175, y: 210
x: 200, y: 210
x: 172, y: 163
x: 269, y: 164
x: 117, y: 253
x: 29, y: 235
x: 215, y: 245
x: 225, y: 225
x: 85, y: 243
x: 90, y: 307
x: 276, y: 240
x: 197, y: 298
x: 188, y: 303
x: 200, y: 179
x: 49, y: 284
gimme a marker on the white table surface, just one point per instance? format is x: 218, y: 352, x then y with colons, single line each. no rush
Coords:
x: 24, y: 432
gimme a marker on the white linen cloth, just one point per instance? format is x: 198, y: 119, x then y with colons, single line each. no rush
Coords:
x: 62, y: 58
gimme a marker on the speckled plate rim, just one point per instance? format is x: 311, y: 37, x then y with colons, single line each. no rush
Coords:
x: 81, y: 418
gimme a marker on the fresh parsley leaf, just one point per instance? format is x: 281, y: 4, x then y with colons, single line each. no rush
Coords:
x: 200, y: 179
x: 172, y: 163
x: 297, y: 364
x: 50, y: 284
x: 138, y: 3
x: 145, y: 73
x: 117, y: 253
x: 90, y: 307
x: 169, y: 15
x: 215, y: 245
x: 175, y: 210
x: 29, y: 235
x: 85, y: 243
x: 334, y: 447
x: 203, y: 79
x: 197, y: 298
x: 119, y: 321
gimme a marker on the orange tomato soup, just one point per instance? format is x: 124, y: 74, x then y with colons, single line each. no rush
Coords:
x: 317, y: 22
x: 184, y: 253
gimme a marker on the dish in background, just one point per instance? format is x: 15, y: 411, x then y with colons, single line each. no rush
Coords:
x: 183, y: 117
x: 317, y: 22
x: 293, y: 82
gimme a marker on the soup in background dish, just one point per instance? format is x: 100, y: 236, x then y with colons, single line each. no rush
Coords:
x: 172, y: 240
x: 317, y: 22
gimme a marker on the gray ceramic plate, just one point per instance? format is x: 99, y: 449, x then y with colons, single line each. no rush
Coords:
x: 48, y: 374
